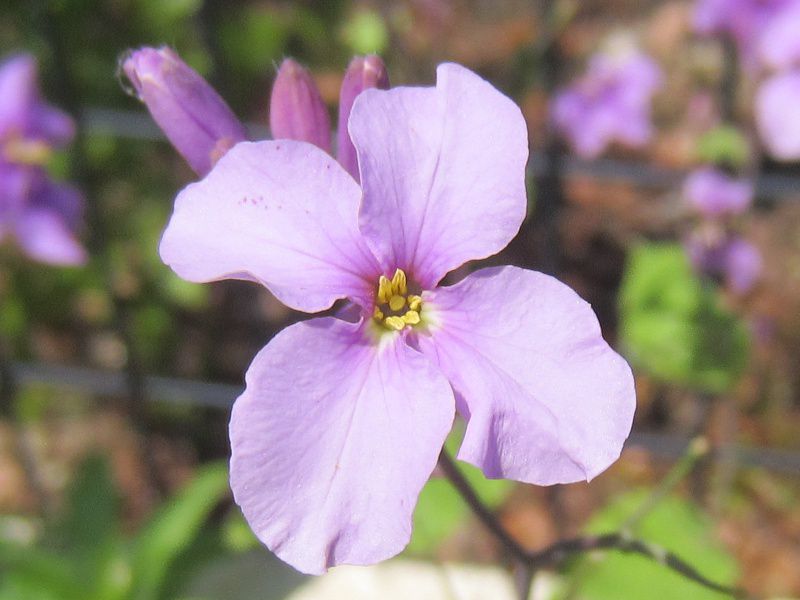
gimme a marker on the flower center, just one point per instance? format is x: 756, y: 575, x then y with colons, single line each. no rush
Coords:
x: 395, y: 308
x: 25, y: 152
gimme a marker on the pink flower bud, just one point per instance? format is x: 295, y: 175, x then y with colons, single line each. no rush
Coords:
x: 296, y: 110
x: 363, y: 72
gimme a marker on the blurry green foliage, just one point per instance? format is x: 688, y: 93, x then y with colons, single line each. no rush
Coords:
x: 724, y: 145
x: 365, y: 32
x: 675, y: 524
x: 253, y: 39
x: 440, y: 509
x: 87, y: 557
x: 674, y: 326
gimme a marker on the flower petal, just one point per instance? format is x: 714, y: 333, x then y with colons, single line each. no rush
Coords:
x: 22, y: 111
x: 546, y: 399
x: 44, y: 236
x: 332, y: 441
x: 443, y: 172
x: 283, y: 213
x: 777, y: 118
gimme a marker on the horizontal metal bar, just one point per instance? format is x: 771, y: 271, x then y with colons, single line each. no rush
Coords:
x: 115, y: 384
x: 138, y: 125
x: 221, y: 396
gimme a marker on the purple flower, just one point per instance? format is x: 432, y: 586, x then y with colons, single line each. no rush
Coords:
x: 341, y: 422
x: 724, y: 256
x: 779, y: 44
x: 777, y: 117
x: 29, y: 128
x: 41, y: 215
x: 743, y: 20
x: 193, y: 116
x: 712, y: 193
x: 609, y: 103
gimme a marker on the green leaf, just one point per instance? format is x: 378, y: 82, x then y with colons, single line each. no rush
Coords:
x: 677, y: 525
x: 91, y: 532
x: 724, y: 145
x: 40, y: 574
x: 92, y: 513
x: 674, y: 326
x: 173, y: 528
x: 440, y: 509
x: 236, y: 533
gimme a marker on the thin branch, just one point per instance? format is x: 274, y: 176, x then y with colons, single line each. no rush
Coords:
x: 696, y: 450
x: 556, y: 554
x: 486, y: 516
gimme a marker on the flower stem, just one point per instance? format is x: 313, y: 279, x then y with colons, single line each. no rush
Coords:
x: 528, y: 563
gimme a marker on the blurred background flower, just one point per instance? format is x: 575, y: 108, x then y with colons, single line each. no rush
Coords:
x: 42, y: 216
x: 610, y: 102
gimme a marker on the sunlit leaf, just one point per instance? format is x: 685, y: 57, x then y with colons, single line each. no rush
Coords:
x: 673, y: 325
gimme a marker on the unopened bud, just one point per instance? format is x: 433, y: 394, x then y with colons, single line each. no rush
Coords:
x: 363, y: 72
x: 198, y: 122
x: 296, y: 110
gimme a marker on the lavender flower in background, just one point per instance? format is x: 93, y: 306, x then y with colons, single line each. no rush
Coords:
x: 714, y: 247
x: 777, y: 115
x: 713, y: 193
x: 202, y: 127
x: 341, y: 422
x: 41, y: 215
x: 779, y: 43
x: 743, y: 20
x: 610, y: 103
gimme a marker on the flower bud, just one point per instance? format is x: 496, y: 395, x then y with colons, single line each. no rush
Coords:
x: 193, y: 116
x: 362, y: 73
x: 296, y: 110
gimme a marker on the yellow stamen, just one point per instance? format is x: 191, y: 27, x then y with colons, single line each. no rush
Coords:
x: 397, y: 302
x: 384, y: 290
x: 411, y: 317
x: 395, y: 323
x: 395, y: 309
x: 399, y: 282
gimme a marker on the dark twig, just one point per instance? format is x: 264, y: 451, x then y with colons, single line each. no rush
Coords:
x: 559, y: 552
x: 552, y: 556
x: 486, y: 517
